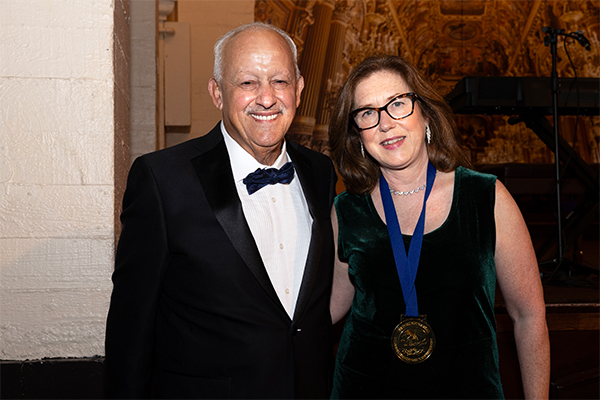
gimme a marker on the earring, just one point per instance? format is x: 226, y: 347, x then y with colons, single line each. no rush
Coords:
x: 362, y: 150
x: 428, y: 133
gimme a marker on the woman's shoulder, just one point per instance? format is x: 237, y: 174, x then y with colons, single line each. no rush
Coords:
x: 349, y: 204
x: 472, y: 177
x: 475, y: 188
x: 346, y: 198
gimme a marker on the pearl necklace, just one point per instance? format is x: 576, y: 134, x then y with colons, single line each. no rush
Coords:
x: 397, y: 193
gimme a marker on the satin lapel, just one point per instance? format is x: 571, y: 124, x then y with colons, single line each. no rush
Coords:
x: 307, y: 180
x: 216, y: 177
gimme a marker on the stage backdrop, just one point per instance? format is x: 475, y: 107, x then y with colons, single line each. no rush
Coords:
x: 447, y: 40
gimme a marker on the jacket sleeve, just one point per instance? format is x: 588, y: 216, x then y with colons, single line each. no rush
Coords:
x: 141, y: 259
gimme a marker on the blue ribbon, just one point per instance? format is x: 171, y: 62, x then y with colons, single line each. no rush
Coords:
x: 406, y: 265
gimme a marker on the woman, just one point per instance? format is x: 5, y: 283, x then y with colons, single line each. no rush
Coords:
x: 396, y: 146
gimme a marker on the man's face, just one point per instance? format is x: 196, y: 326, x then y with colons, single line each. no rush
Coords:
x: 259, y: 92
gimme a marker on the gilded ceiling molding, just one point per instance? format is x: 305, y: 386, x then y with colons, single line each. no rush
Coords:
x: 372, y: 31
x: 341, y: 12
x: 305, y: 19
x: 329, y: 3
x: 534, y: 15
x: 404, y: 48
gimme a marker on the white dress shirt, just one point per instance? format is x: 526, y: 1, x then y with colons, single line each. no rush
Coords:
x: 279, y: 220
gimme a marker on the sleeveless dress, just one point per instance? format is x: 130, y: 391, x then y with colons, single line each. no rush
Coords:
x: 455, y: 287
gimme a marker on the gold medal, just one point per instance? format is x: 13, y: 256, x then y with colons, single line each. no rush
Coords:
x: 413, y: 340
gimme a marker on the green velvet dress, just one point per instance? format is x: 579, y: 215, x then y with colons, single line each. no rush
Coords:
x: 455, y: 286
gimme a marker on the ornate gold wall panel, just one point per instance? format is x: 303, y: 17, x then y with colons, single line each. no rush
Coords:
x: 447, y: 40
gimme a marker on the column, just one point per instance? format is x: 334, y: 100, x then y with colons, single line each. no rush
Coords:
x: 331, y: 81
x: 311, y: 66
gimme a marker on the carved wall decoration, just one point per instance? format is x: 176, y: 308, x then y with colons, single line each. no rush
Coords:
x: 447, y: 40
x: 273, y: 12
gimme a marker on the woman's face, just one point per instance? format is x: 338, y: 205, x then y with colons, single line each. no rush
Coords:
x: 394, y: 144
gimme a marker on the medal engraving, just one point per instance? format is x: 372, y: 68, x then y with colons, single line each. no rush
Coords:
x: 413, y: 340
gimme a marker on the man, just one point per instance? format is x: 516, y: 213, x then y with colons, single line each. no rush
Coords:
x: 221, y: 289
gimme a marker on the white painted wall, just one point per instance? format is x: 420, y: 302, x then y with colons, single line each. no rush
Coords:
x: 57, y: 138
x: 59, y: 134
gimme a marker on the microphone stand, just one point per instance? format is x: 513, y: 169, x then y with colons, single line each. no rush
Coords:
x: 551, y: 40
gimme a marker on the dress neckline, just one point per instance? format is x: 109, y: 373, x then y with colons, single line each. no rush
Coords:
x: 455, y: 194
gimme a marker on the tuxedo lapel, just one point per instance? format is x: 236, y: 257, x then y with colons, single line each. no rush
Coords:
x: 307, y: 180
x: 216, y: 177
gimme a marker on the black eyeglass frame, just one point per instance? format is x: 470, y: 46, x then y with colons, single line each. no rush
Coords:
x: 412, y: 96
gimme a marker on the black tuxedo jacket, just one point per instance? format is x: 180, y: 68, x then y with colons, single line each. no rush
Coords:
x: 193, y: 313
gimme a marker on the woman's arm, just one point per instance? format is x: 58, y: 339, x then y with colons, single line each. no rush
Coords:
x: 519, y: 279
x: 342, y: 291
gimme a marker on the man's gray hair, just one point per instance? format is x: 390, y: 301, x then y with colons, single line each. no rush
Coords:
x: 258, y: 26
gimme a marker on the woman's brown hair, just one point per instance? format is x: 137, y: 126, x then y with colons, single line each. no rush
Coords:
x: 360, y: 174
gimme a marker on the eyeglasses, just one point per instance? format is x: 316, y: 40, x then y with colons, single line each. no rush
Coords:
x: 399, y: 107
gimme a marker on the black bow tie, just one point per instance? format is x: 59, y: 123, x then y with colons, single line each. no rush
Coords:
x: 268, y: 176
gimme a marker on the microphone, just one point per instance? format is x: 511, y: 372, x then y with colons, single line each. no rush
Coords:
x: 578, y: 35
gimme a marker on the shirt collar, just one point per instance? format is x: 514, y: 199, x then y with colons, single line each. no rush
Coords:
x: 242, y: 163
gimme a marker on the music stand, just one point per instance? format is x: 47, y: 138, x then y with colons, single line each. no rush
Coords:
x: 561, y: 263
